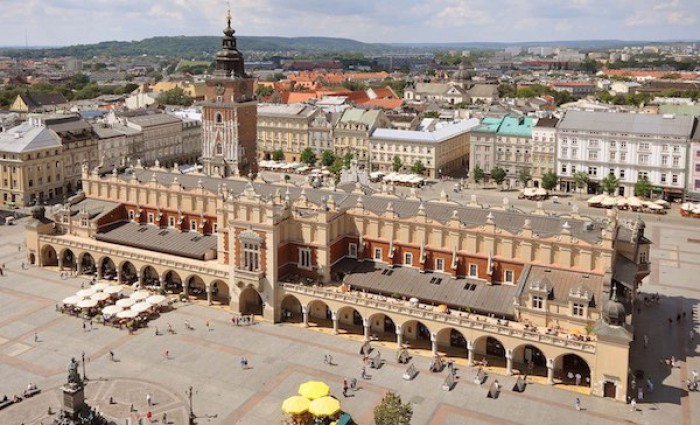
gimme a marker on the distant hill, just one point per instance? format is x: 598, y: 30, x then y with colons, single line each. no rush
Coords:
x: 186, y: 46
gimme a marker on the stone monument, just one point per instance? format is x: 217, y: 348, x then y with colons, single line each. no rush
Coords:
x: 73, y: 392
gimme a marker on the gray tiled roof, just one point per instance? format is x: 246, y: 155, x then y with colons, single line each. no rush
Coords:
x: 479, y: 296
x: 561, y: 282
x: 153, y: 238
x: 95, y: 208
x: 513, y: 221
x: 615, y: 122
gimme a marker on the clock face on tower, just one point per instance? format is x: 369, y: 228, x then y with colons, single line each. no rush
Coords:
x: 220, y: 89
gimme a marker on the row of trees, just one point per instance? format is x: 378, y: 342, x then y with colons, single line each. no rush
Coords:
x: 498, y: 175
x: 610, y: 183
x: 336, y: 163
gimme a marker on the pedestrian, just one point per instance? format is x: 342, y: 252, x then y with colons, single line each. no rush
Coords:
x: 208, y: 327
x: 149, y: 402
x: 640, y: 393
x: 577, y: 403
x: 345, y: 387
x: 2, y: 272
x: 165, y: 418
x: 363, y: 372
x: 36, y: 337
x: 650, y: 385
x: 646, y: 340
x: 157, y: 333
x: 149, y: 415
x: 167, y: 354
x: 353, y: 384
x: 330, y: 360
x: 325, y: 359
x: 111, y: 355
x: 578, y: 378
x: 91, y: 324
x: 84, y: 327
x: 633, y: 405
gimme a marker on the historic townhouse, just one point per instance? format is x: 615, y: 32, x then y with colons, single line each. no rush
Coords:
x: 353, y: 130
x: 543, y: 149
x: 285, y: 128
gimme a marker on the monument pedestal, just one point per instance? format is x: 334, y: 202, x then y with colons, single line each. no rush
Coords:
x: 73, y: 400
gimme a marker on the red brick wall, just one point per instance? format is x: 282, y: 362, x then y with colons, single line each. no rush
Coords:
x: 239, y: 247
x: 340, y: 248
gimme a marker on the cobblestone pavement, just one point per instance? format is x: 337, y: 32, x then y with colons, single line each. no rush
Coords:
x: 283, y: 356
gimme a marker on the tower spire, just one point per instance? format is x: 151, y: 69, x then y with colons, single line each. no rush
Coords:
x: 229, y: 61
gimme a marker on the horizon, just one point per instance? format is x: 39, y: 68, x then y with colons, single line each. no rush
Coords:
x: 379, y: 21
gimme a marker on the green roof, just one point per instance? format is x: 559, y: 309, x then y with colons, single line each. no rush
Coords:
x: 691, y: 110
x: 517, y: 126
x: 488, y: 125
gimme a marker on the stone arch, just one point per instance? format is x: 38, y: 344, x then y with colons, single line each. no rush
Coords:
x: 382, y: 327
x: 250, y: 302
x: 49, y: 256
x: 530, y: 360
x: 68, y: 259
x: 320, y: 313
x: 491, y: 349
x: 87, y: 264
x: 32, y: 259
x: 172, y: 282
x: 220, y: 293
x: 149, y: 276
x: 452, y: 342
x: 417, y: 334
x: 350, y: 320
x: 196, y: 287
x: 107, y: 269
x: 291, y: 309
x: 128, y: 273
x: 573, y: 364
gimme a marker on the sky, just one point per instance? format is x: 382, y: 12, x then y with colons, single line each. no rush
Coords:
x: 67, y: 22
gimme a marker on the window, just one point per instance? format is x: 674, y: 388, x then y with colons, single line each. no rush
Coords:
x: 623, y: 156
x: 508, y: 276
x: 592, y: 171
x: 612, y: 156
x: 473, y: 270
x: 193, y: 224
x: 592, y: 156
x: 613, y: 144
x: 408, y: 259
x: 674, y: 179
x: 577, y: 309
x: 643, y: 159
x: 664, y: 160
x: 219, y: 118
x: 131, y: 214
x: 439, y: 264
x: 352, y: 250
x: 574, y: 152
x: 644, y: 146
x: 219, y: 149
x: 623, y: 145
x: 305, y: 258
x: 216, y: 227
x: 676, y: 149
x: 573, y: 169
x: 676, y: 161
x: 251, y: 256
x: 664, y: 148
x: 537, y: 302
x: 378, y: 254
x: 642, y: 175
x: 622, y: 173
x: 643, y: 257
x: 171, y: 221
x: 663, y: 178
x: 564, y: 151
x: 151, y: 218
x: 563, y: 169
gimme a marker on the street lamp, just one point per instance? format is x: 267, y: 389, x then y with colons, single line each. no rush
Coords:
x: 85, y: 378
x: 192, y: 416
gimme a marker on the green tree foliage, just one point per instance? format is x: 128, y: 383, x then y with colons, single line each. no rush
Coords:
x: 278, y: 155
x: 581, y: 181
x: 498, y: 175
x: 327, y: 158
x: 354, y: 85
x: 336, y: 167
x: 431, y: 114
x: 396, y: 164
x: 642, y: 187
x: 392, y: 411
x: 524, y: 177
x: 418, y: 167
x: 176, y: 96
x: 610, y: 184
x: 549, y: 180
x: 264, y: 91
x: 507, y: 90
x: 478, y: 174
x: 347, y: 159
x: 308, y: 157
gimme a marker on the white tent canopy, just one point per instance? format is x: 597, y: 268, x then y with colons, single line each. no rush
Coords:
x: 85, y: 293
x: 127, y: 314
x: 140, y: 295
x: 87, y: 304
x: 111, y: 310
x: 72, y: 300
x: 100, y: 296
x: 141, y: 307
x: 113, y: 290
x: 156, y: 299
x: 99, y: 287
x: 126, y: 302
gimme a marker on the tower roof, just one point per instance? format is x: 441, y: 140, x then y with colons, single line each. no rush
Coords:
x: 229, y: 60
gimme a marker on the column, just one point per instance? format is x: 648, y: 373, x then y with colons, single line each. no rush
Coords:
x: 509, y: 362
x: 334, y: 317
x: 119, y: 275
x: 207, y: 288
x: 161, y: 284
x: 60, y: 264
x: 366, y: 325
x: 470, y: 349
x: 185, y: 289
x: 305, y: 315
x: 433, y: 344
x: 399, y: 337
x: 99, y: 271
x: 550, y: 371
x: 141, y: 275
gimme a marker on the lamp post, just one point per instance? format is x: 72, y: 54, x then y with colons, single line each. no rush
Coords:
x: 85, y: 378
x: 192, y: 416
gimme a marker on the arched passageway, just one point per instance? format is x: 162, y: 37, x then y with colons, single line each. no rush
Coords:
x: 452, y: 343
x: 196, y: 287
x: 491, y: 350
x: 320, y: 314
x: 172, y: 282
x: 350, y: 321
x: 128, y: 273
x: 48, y: 256
x: 572, y: 370
x: 68, y: 261
x: 291, y: 310
x: 149, y: 277
x: 530, y: 360
x: 87, y: 264
x: 416, y: 334
x: 250, y: 302
x: 382, y: 328
x: 108, y: 269
x: 220, y: 294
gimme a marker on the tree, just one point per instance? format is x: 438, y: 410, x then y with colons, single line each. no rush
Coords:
x: 336, y: 167
x: 498, y: 175
x: 610, y: 184
x: 347, y: 159
x: 581, y: 180
x: 431, y: 114
x: 278, y: 155
x: 327, y: 158
x: 549, y: 180
x: 418, y: 167
x: 175, y: 96
x: 308, y: 156
x: 391, y: 411
x: 524, y: 177
x: 396, y: 164
x: 478, y: 174
x: 642, y: 187
x: 264, y: 91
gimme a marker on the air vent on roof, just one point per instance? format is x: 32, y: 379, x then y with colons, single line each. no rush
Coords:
x: 668, y: 116
x: 143, y: 229
x: 588, y: 226
x: 548, y: 270
x: 586, y: 276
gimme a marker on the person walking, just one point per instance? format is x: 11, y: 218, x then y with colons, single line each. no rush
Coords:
x: 345, y: 387
x: 363, y: 372
x: 111, y: 355
x: 646, y: 340
x: 633, y: 405
x: 36, y: 337
x: 577, y: 403
x: 149, y: 401
x: 578, y: 378
x: 167, y: 354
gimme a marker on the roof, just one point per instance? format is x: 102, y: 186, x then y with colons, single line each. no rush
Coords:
x: 28, y: 137
x: 442, y: 133
x: 625, y: 271
x: 37, y: 100
x: 432, y: 88
x: 615, y: 122
x: 153, y: 238
x: 384, y: 103
x: 295, y: 110
x: 96, y: 208
x: 547, y: 122
x: 516, y: 126
x: 562, y: 282
x: 361, y: 116
x: 438, y: 288
x: 488, y: 125
x: 152, y: 120
x: 483, y: 90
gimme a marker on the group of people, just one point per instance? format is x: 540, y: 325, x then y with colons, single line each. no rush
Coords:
x: 31, y: 390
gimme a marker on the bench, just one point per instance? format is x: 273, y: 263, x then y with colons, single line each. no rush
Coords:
x: 31, y: 393
x: 4, y: 404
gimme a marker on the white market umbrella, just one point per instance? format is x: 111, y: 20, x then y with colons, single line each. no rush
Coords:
x: 87, y: 304
x: 413, y: 300
x: 635, y: 202
x: 113, y: 290
x: 653, y: 206
x: 111, y: 310
x: 100, y: 296
x: 99, y: 287
x: 126, y: 302
x: 608, y: 201
x: 155, y: 299
x: 596, y: 199
x: 140, y: 295
x: 86, y: 293
x: 540, y: 191
x: 127, y: 314
x: 141, y: 307
x: 72, y: 300
x: 663, y: 203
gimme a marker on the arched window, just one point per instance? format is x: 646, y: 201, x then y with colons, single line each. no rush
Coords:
x: 219, y: 149
x: 219, y: 118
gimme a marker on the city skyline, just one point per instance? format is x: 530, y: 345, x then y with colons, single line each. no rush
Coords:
x: 68, y: 22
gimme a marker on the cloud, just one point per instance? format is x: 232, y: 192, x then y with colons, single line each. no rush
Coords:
x: 63, y: 22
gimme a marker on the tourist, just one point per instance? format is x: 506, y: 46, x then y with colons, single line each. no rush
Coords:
x: 345, y: 387
x: 646, y: 340
x: 578, y: 378
x: 148, y: 400
x: 577, y: 403
x: 633, y: 405
x: 36, y: 337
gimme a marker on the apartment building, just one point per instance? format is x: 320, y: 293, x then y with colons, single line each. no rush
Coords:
x: 285, y: 128
x: 543, y: 148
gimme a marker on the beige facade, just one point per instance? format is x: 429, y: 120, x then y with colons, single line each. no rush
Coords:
x: 534, y: 278
x: 543, y: 149
x: 353, y: 130
x: 285, y: 128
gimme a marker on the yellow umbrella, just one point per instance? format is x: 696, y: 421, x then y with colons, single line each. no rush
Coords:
x: 295, y: 405
x: 324, y: 406
x: 442, y: 308
x: 314, y: 389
